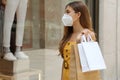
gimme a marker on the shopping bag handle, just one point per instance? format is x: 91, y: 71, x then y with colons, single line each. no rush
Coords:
x: 86, y: 39
x: 89, y: 38
x: 83, y: 38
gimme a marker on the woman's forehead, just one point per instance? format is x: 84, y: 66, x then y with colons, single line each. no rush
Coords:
x: 69, y: 8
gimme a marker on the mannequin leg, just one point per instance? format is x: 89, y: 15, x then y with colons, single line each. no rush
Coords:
x: 21, y: 15
x: 10, y: 10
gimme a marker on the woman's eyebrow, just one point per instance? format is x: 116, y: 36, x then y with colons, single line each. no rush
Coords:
x: 67, y: 10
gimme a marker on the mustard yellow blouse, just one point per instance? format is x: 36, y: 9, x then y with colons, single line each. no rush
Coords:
x: 66, y: 60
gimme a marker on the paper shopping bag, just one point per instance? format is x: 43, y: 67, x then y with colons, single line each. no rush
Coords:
x: 75, y: 69
x: 90, y: 56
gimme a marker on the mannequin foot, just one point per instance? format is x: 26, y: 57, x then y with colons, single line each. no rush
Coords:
x: 9, y: 56
x: 21, y: 55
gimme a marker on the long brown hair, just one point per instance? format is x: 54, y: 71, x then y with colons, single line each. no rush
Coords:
x: 78, y: 6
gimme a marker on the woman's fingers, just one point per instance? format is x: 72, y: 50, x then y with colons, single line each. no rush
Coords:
x: 86, y: 32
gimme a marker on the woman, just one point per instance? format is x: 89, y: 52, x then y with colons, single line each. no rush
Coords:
x: 77, y: 21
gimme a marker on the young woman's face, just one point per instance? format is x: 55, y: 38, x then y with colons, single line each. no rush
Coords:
x: 75, y: 16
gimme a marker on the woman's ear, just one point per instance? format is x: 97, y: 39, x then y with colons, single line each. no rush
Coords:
x: 79, y: 14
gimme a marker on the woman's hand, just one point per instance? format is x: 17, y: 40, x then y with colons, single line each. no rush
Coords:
x: 86, y: 32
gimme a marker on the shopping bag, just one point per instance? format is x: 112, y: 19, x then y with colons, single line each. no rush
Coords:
x: 90, y: 55
x: 75, y: 70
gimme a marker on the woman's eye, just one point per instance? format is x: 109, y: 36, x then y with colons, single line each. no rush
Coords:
x: 67, y: 12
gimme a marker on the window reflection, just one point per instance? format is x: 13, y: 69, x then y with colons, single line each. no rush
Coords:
x: 43, y: 28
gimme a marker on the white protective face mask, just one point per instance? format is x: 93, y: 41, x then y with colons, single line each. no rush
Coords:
x: 67, y: 20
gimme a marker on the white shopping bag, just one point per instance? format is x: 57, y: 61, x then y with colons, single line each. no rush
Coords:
x: 90, y: 55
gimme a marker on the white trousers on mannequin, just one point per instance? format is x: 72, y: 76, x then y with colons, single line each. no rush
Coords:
x: 12, y: 6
